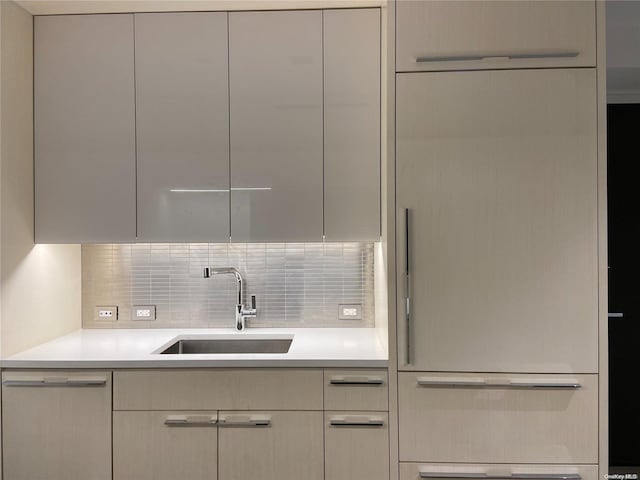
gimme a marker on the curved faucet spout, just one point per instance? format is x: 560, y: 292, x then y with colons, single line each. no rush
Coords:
x: 241, y: 313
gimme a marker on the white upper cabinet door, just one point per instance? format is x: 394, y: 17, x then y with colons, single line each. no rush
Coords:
x: 462, y: 35
x: 85, y: 174
x: 182, y: 127
x: 275, y: 69
x: 352, y: 124
x: 499, y: 172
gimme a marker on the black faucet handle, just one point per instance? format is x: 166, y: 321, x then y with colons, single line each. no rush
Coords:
x: 253, y: 302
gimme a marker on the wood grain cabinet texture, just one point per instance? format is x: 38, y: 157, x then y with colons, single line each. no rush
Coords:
x: 182, y: 127
x: 163, y: 445
x: 443, y: 420
x: 84, y: 101
x: 56, y: 425
x: 499, y: 172
x: 470, y: 35
x: 356, y: 445
x: 442, y: 471
x: 288, y: 447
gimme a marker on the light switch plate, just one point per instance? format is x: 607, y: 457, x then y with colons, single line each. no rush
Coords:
x: 350, y: 312
x: 106, y: 313
x: 143, y: 312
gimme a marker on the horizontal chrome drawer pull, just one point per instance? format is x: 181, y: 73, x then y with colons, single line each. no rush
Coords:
x: 244, y: 421
x: 356, y: 421
x: 189, y: 420
x: 497, y: 57
x: 497, y: 383
x: 54, y: 381
x: 519, y: 476
x: 356, y: 381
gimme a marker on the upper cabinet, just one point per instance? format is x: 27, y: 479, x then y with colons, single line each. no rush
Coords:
x: 201, y: 127
x: 182, y: 127
x: 275, y: 71
x: 85, y: 178
x: 472, y: 35
x: 351, y: 45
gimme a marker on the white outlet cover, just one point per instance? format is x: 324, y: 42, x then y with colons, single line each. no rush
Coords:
x: 350, y: 312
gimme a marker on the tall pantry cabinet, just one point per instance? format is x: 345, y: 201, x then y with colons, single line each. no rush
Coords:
x: 497, y: 239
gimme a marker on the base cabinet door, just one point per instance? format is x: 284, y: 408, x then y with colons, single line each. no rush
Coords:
x: 271, y: 445
x: 498, y: 418
x: 165, y: 445
x: 56, y: 425
x: 356, y: 445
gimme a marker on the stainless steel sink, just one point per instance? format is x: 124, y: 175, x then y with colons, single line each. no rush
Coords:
x: 228, y: 345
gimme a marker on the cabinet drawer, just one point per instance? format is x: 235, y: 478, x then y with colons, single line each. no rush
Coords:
x: 445, y: 35
x: 356, y: 445
x: 165, y: 445
x: 416, y: 471
x: 241, y: 389
x: 56, y: 425
x: 529, y: 418
x: 356, y: 390
x: 270, y: 445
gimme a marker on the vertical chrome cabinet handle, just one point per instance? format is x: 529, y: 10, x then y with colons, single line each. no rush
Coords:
x: 407, y: 283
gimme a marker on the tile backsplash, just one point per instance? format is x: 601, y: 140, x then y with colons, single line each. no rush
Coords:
x: 296, y: 284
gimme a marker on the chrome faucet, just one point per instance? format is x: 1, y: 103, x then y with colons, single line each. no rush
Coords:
x: 241, y: 313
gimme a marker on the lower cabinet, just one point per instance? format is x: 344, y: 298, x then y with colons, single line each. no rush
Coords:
x: 165, y: 445
x: 196, y: 424
x: 56, y: 425
x: 273, y: 445
x: 498, y: 418
x: 356, y: 445
x: 443, y: 471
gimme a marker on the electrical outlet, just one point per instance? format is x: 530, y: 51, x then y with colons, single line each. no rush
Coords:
x: 350, y: 312
x: 107, y: 313
x: 143, y: 312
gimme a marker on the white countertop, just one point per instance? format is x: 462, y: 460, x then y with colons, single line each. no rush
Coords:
x: 134, y: 348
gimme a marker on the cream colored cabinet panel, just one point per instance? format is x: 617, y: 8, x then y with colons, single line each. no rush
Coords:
x: 182, y: 127
x: 498, y: 171
x: 165, y: 445
x: 56, y: 425
x: 356, y: 445
x: 416, y: 471
x: 270, y: 445
x: 461, y: 35
x: 275, y: 71
x: 356, y: 390
x: 351, y: 40
x: 498, y: 418
x: 85, y: 159
x: 241, y: 389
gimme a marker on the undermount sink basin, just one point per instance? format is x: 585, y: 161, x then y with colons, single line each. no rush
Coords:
x: 188, y: 346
